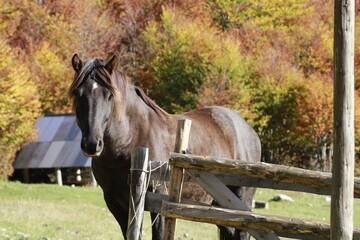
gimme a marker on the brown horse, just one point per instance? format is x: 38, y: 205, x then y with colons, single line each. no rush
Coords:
x: 115, y: 116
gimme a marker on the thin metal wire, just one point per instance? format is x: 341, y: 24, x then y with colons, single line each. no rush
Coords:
x: 162, y: 179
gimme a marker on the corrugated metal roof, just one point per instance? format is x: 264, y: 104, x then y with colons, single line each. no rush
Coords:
x: 58, y: 145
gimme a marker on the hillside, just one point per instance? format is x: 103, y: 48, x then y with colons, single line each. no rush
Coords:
x: 263, y: 58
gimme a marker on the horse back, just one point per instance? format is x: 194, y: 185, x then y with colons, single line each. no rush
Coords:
x: 221, y: 132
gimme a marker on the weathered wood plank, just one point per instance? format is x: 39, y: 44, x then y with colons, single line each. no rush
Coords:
x: 161, y: 173
x: 344, y: 140
x: 177, y: 174
x: 138, y: 180
x: 249, y: 181
x: 313, y: 179
x: 227, y: 199
x: 283, y: 226
x: 218, y: 191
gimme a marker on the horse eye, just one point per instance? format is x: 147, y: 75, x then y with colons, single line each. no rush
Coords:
x: 110, y: 97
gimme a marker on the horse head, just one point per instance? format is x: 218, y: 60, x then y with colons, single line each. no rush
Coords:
x: 94, y: 95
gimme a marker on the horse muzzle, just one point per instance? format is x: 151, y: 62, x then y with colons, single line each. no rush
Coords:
x: 92, y: 148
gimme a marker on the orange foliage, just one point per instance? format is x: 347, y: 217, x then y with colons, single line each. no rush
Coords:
x: 287, y: 47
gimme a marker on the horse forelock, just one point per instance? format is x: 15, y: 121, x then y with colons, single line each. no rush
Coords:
x: 97, y: 69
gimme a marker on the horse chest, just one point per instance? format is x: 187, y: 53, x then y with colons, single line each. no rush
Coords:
x: 111, y: 177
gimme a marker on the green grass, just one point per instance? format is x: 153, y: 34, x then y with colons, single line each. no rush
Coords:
x: 39, y: 211
x: 53, y: 212
x: 42, y: 211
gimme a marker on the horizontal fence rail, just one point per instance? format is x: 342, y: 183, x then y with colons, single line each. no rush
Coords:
x: 263, y: 175
x: 214, y: 175
x: 241, y: 173
x: 282, y: 226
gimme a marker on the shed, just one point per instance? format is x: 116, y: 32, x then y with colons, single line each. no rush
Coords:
x: 57, y: 146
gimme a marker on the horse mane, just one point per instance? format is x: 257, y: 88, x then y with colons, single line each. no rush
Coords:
x: 148, y: 101
x: 102, y: 77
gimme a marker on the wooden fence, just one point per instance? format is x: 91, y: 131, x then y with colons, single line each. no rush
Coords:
x: 213, y: 174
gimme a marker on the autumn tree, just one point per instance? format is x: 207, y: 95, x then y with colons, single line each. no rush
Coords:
x: 19, y: 107
x: 269, y: 59
x: 186, y: 57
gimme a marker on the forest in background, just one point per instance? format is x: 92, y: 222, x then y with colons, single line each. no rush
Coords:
x: 269, y: 59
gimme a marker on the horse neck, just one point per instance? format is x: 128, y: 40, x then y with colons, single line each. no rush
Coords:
x: 139, y: 113
x: 134, y: 122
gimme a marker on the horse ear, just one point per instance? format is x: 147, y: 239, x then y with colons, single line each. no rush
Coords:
x: 112, y: 64
x: 76, y: 63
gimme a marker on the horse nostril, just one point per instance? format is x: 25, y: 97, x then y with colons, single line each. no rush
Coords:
x: 91, y: 146
x: 100, y: 145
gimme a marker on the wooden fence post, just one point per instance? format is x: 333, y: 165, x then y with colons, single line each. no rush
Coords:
x: 344, y: 146
x: 138, y: 183
x: 93, y: 179
x: 177, y: 174
x: 59, y: 176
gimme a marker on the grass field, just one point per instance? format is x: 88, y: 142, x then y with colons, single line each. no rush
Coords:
x: 44, y: 212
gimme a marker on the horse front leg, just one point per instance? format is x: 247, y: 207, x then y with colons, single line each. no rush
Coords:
x: 117, y: 211
x: 158, y: 223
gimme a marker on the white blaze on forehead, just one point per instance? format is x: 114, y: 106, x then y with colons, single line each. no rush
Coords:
x: 95, y: 86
